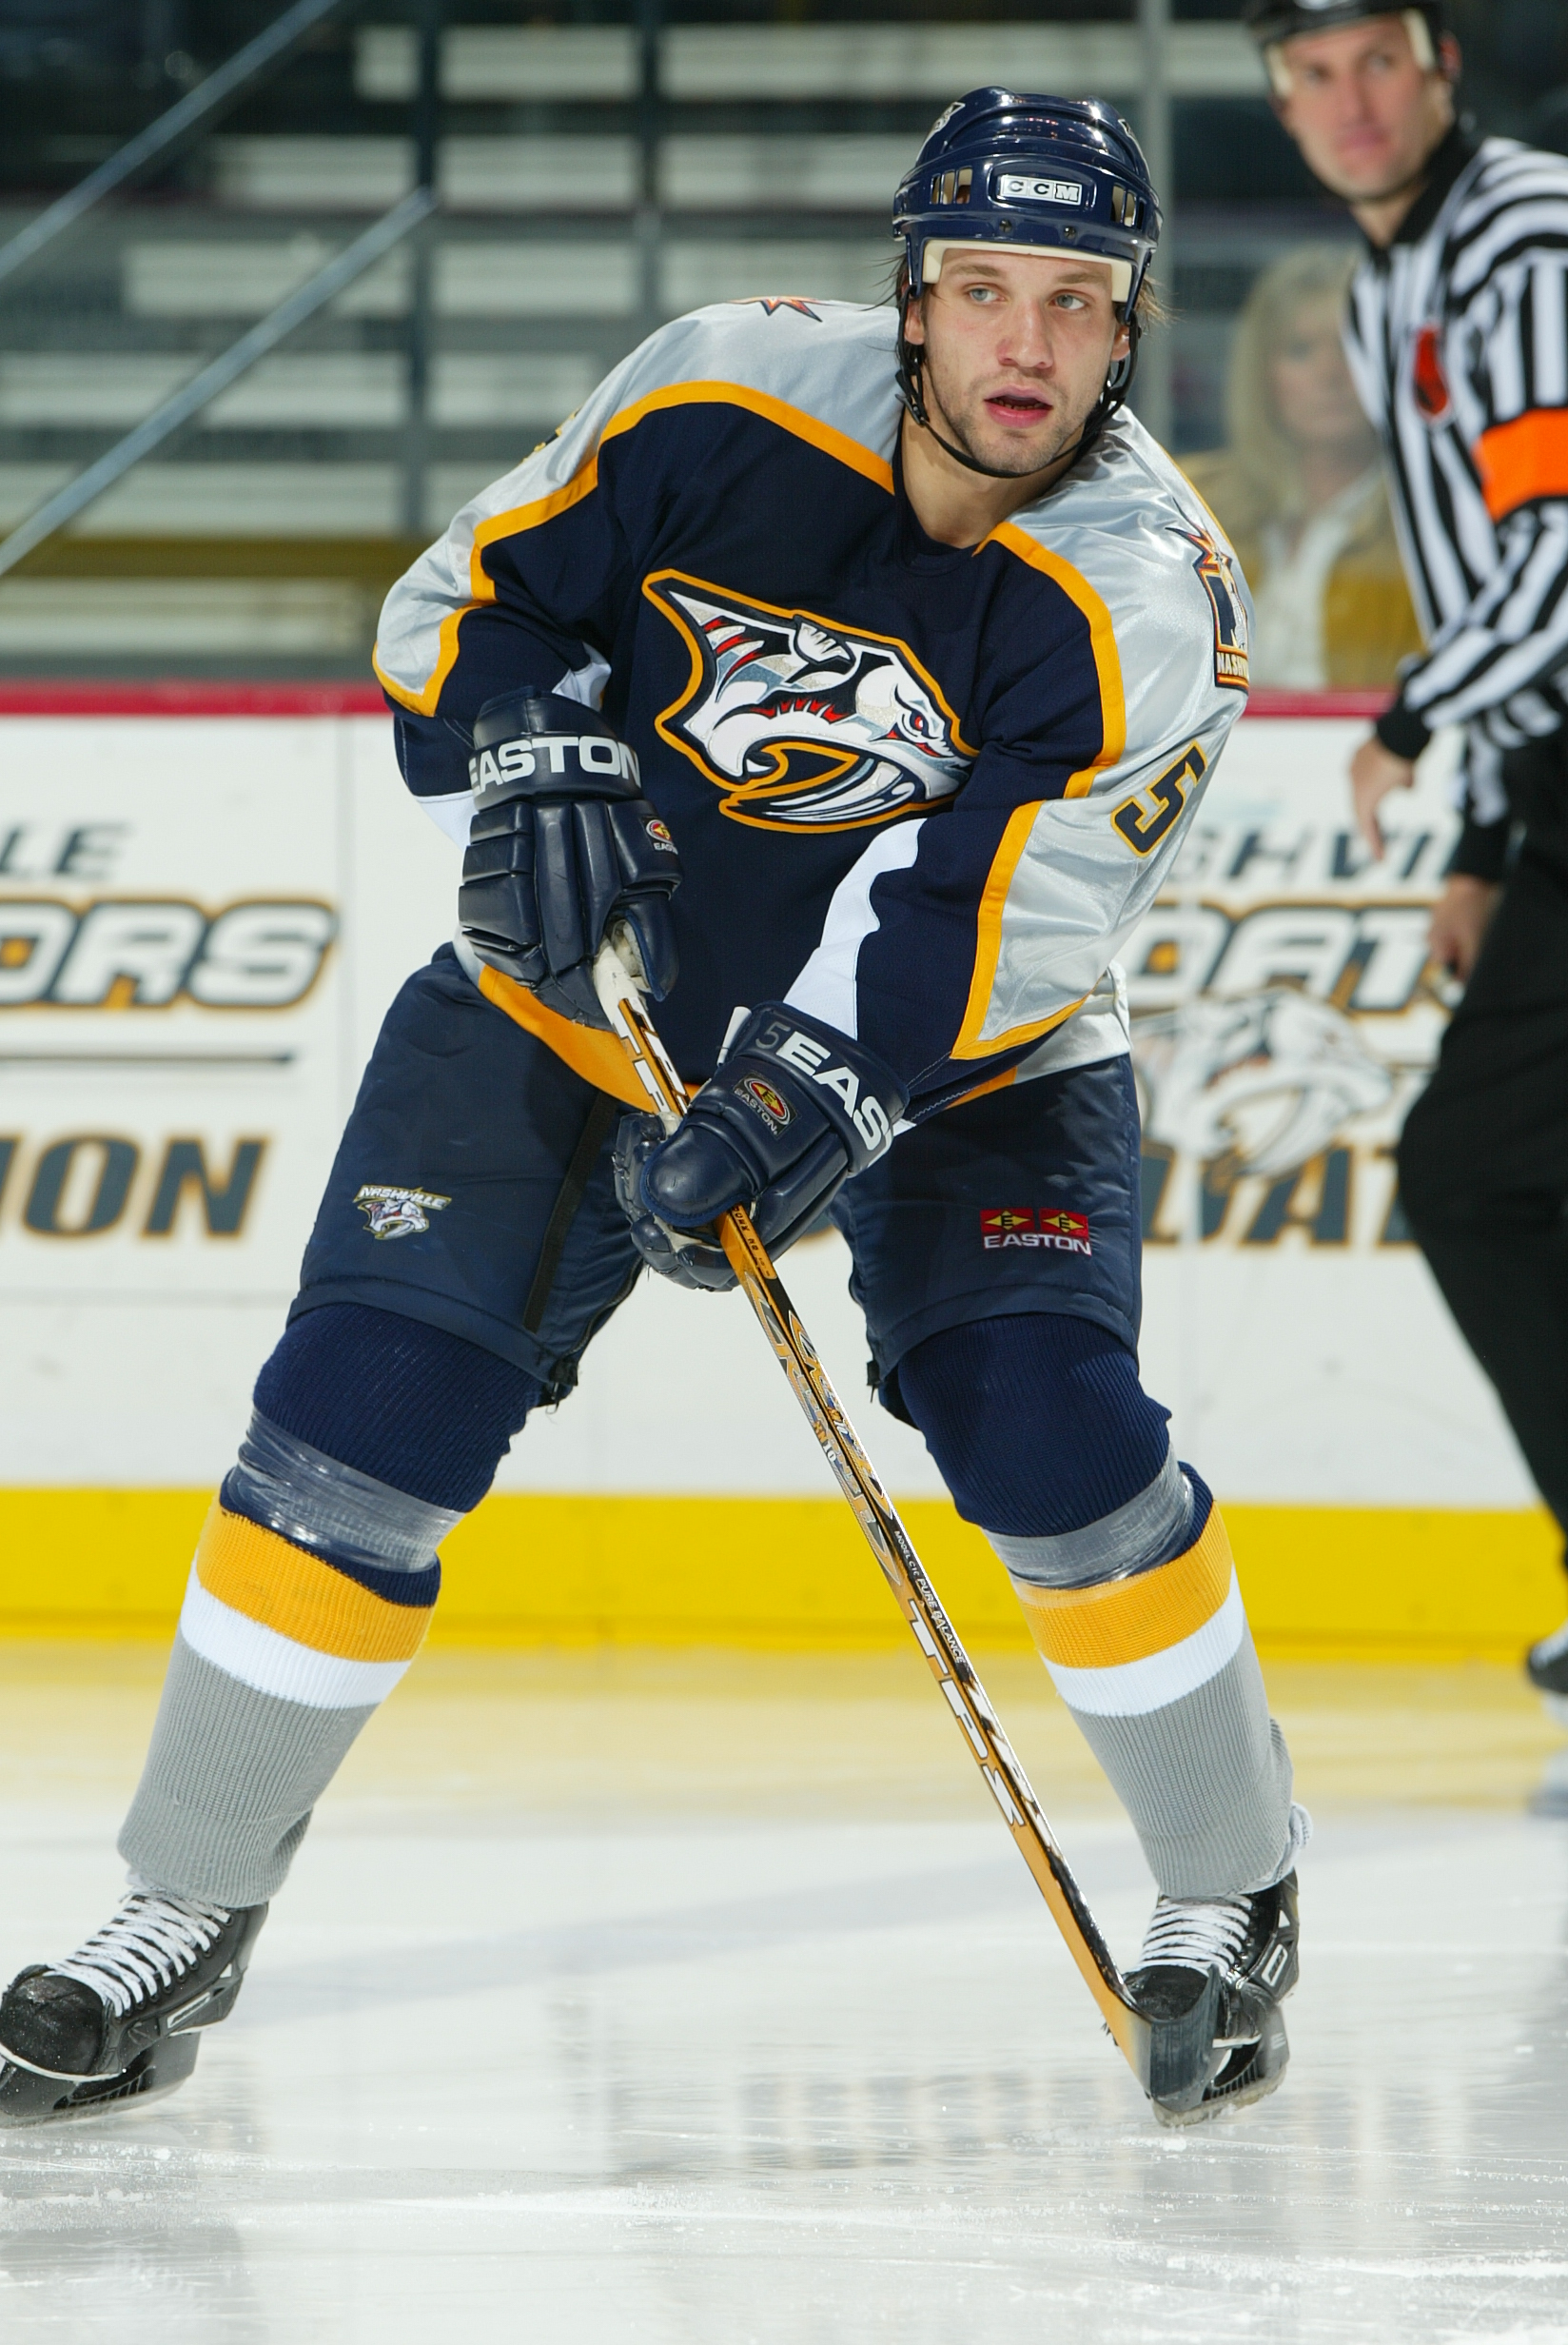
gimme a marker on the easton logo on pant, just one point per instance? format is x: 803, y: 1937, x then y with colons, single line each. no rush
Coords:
x: 1026, y: 1225
x: 397, y: 1213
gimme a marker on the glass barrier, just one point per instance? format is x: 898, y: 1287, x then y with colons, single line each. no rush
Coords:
x: 1298, y: 488
x: 600, y: 175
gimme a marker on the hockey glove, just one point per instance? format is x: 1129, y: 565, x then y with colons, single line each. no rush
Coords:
x: 690, y: 1259
x: 562, y: 844
x: 790, y: 1112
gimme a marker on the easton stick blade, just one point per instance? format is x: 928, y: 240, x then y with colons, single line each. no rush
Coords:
x: 1133, y: 2033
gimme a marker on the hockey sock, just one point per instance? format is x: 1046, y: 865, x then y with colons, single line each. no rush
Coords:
x: 312, y: 1588
x: 1123, y: 1570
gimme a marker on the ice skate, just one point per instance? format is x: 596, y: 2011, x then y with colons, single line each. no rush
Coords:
x: 1212, y: 1974
x: 1546, y: 1666
x: 115, y: 2022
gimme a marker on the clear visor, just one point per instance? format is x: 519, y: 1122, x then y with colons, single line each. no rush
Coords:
x: 938, y: 246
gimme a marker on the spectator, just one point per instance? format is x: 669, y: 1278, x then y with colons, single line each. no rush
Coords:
x: 1299, y: 489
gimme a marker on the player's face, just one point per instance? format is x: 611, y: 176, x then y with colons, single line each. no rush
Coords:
x: 1362, y: 108
x: 1017, y: 348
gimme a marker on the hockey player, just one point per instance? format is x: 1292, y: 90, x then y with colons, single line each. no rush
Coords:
x: 1458, y: 339
x: 907, y: 641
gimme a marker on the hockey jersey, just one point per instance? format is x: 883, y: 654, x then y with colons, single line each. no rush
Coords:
x: 1457, y: 336
x: 923, y: 792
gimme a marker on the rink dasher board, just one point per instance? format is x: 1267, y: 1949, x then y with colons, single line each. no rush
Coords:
x: 1281, y: 1027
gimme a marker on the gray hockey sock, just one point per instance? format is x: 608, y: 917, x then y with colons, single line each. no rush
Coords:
x: 310, y: 1594
x: 1156, y: 1663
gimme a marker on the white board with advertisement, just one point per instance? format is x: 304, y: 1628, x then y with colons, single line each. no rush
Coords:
x: 202, y: 917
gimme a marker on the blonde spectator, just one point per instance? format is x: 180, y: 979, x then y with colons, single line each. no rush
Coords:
x: 1299, y: 489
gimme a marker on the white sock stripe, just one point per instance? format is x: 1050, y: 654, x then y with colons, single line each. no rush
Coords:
x: 1135, y: 1687
x: 273, y: 1665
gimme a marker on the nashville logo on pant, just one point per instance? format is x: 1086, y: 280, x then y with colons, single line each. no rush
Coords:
x: 1027, y: 1225
x: 397, y: 1213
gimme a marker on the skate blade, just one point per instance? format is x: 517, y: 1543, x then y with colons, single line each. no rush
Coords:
x: 1180, y: 2051
x: 28, y: 2099
x: 1261, y: 2073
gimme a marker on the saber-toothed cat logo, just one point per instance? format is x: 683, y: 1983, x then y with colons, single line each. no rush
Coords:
x: 390, y: 1212
x: 805, y: 725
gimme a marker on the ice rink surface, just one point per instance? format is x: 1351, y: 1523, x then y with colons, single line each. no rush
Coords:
x: 697, y: 2000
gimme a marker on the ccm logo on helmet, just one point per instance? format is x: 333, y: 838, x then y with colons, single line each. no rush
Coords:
x: 810, y: 1058
x: 1014, y: 189
x: 545, y: 752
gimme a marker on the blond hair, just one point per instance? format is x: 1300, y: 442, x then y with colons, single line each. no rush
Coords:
x: 1267, y: 467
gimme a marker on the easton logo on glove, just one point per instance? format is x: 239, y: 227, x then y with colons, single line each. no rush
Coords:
x: 794, y: 1109
x: 563, y: 848
x: 766, y: 1101
x: 547, y: 752
x: 793, y: 1046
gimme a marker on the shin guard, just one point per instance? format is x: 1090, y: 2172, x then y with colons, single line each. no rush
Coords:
x: 295, y: 1627
x: 1156, y: 1663
x: 313, y: 1587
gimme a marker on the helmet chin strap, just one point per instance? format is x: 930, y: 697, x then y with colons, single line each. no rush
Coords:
x: 1118, y: 384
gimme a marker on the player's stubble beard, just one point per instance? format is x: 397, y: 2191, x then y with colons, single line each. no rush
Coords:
x: 967, y: 424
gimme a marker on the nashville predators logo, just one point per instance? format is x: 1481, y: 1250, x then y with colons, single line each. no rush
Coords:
x: 397, y: 1213
x: 805, y: 725
x: 1216, y: 570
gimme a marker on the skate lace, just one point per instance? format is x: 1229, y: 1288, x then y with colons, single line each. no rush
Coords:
x: 151, y: 1942
x: 1191, y: 1933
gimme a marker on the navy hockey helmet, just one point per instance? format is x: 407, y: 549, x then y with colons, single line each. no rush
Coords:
x: 1016, y: 171
x: 1031, y: 173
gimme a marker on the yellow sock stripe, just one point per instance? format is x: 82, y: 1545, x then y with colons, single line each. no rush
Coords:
x: 1127, y: 1620
x: 278, y: 1585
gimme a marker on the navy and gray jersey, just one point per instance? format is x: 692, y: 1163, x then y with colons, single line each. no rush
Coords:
x: 1457, y: 336
x: 922, y: 793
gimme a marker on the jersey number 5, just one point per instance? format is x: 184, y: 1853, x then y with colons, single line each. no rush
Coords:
x: 1144, y: 825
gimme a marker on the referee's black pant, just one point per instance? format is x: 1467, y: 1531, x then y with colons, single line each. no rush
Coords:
x: 1483, y: 1163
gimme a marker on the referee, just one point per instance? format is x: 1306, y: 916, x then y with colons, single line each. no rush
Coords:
x: 1458, y: 339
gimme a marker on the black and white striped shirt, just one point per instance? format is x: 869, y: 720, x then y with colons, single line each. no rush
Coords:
x: 1458, y: 340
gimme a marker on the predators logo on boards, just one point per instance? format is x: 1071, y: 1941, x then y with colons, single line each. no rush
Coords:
x: 804, y: 724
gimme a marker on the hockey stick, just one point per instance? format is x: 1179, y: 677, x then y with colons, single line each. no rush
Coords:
x: 622, y: 998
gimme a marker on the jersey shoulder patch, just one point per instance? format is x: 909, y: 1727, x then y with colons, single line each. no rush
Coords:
x: 1135, y: 544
